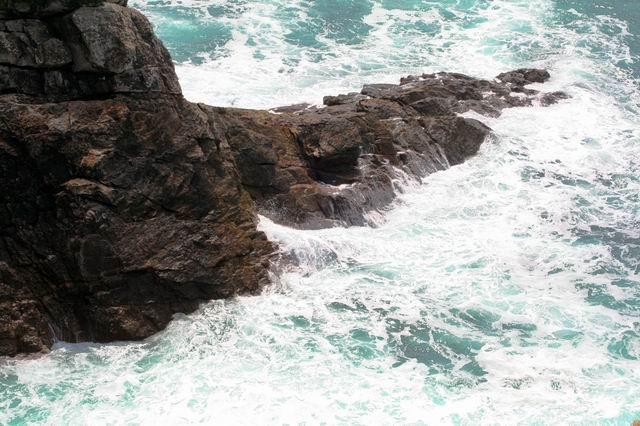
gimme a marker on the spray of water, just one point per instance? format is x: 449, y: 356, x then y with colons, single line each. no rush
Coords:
x: 504, y: 290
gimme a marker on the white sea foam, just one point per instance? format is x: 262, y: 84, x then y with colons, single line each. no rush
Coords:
x: 387, y: 53
x: 484, y: 269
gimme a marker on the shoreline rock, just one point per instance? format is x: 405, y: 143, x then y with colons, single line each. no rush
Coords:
x: 310, y: 167
x: 121, y: 203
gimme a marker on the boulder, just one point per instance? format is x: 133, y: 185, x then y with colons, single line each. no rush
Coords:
x: 333, y: 166
x: 46, y: 8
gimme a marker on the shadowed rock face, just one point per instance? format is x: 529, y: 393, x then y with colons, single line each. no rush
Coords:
x: 45, y: 8
x: 121, y: 203
x: 87, y: 52
x: 116, y: 214
x: 118, y: 205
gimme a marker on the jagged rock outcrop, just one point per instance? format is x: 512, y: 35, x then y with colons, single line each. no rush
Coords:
x: 121, y: 203
x: 118, y: 205
x: 330, y: 166
x: 45, y: 8
x: 73, y: 52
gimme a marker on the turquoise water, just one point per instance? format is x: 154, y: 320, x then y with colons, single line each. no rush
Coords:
x: 502, y: 291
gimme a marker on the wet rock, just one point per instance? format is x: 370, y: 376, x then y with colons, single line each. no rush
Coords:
x: 377, y: 90
x: 47, y: 8
x: 434, y: 106
x: 552, y: 98
x: 524, y: 76
x: 122, y: 204
x: 333, y: 166
x: 86, y: 58
x: 116, y: 212
x: 343, y: 99
x: 291, y: 108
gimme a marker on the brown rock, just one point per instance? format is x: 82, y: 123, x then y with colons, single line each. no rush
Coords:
x: 323, y: 167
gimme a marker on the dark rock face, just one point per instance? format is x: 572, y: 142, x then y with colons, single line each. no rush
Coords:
x: 118, y: 205
x: 116, y: 214
x: 312, y: 168
x: 90, y: 52
x: 121, y: 203
x: 45, y: 8
x: 524, y: 76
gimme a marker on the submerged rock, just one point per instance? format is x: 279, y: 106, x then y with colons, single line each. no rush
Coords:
x: 121, y: 203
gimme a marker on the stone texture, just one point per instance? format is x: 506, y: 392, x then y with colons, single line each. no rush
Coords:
x: 114, y: 215
x: 118, y: 205
x: 316, y: 167
x: 28, y: 43
x: 47, y: 8
x: 85, y: 58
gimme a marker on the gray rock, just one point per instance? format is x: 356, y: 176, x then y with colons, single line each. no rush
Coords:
x: 28, y: 43
x: 19, y: 80
x: 524, y: 76
x: 47, y: 8
x: 343, y: 99
x: 104, y: 62
x: 553, y: 98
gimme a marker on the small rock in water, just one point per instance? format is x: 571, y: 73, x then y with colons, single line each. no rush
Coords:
x: 291, y: 108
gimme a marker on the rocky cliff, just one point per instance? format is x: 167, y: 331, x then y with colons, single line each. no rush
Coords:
x: 121, y: 203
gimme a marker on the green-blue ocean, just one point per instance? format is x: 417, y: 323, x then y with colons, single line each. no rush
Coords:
x: 502, y: 291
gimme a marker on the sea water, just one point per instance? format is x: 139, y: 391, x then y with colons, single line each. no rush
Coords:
x: 502, y: 291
